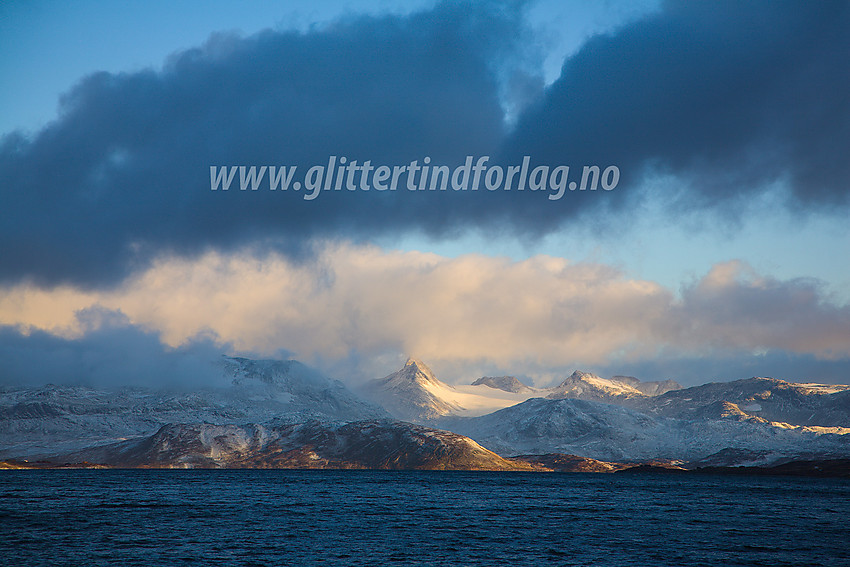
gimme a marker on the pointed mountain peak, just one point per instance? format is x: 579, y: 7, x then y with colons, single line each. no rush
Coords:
x: 413, y: 393
x: 415, y: 366
x: 589, y: 386
x: 580, y: 375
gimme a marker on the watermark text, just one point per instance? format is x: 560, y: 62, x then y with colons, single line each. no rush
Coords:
x: 341, y: 174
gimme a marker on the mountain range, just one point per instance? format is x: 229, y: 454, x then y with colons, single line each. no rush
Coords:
x: 54, y: 418
x: 284, y: 414
x: 414, y: 393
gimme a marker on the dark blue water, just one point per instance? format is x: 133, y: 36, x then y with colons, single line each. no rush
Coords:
x: 86, y: 517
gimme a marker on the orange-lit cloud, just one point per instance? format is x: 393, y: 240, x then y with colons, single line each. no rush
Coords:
x: 543, y: 311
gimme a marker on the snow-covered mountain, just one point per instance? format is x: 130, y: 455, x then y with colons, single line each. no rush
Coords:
x: 415, y: 394
x: 587, y: 386
x: 296, y: 391
x: 610, y: 432
x: 651, y: 388
x: 768, y: 398
x: 505, y: 383
x: 412, y: 393
x: 759, y: 420
x: 63, y: 418
x: 381, y: 444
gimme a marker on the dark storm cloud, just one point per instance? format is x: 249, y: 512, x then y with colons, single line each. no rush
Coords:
x: 728, y: 96
x: 124, y: 171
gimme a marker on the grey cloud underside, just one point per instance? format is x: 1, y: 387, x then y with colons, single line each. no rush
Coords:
x: 124, y: 172
x: 728, y: 98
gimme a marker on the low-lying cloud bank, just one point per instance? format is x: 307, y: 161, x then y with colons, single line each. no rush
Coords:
x: 358, y: 309
x: 110, y: 352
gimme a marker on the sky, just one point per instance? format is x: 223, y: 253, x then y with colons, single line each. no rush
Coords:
x: 719, y: 253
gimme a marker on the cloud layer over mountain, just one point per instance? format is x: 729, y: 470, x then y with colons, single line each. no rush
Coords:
x: 520, y: 316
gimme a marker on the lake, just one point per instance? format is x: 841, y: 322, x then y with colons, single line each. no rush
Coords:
x: 277, y: 517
